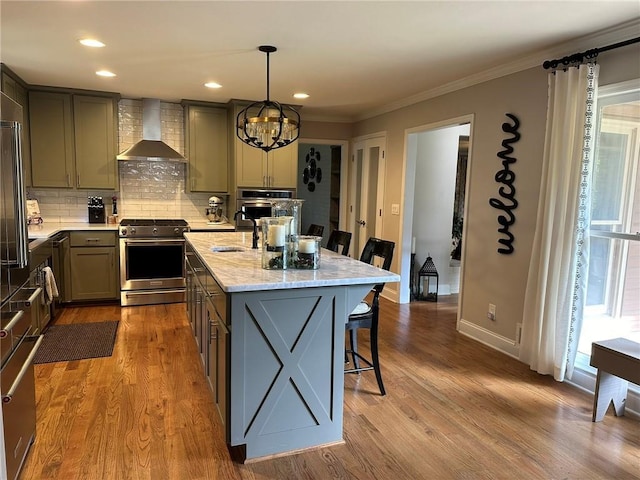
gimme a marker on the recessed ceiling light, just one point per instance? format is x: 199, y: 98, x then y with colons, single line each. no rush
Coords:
x: 91, y: 42
x: 105, y: 73
x: 212, y: 85
x: 300, y: 95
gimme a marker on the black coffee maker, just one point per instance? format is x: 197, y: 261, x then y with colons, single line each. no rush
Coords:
x: 96, y: 210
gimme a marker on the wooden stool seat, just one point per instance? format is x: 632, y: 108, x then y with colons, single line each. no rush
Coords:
x: 618, y: 363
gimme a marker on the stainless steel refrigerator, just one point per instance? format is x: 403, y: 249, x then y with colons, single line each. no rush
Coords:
x: 17, y: 345
x: 13, y: 225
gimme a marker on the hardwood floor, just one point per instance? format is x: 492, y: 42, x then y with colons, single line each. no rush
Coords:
x: 455, y: 409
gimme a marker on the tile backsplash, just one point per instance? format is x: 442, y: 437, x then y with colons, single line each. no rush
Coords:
x: 146, y: 189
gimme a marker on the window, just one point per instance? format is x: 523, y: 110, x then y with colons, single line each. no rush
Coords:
x: 613, y: 284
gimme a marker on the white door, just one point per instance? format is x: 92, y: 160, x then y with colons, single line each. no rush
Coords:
x: 367, y: 187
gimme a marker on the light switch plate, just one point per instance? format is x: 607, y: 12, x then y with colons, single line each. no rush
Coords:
x: 395, y: 209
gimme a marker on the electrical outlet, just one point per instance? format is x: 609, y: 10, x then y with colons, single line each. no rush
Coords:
x: 395, y: 209
x: 491, y: 314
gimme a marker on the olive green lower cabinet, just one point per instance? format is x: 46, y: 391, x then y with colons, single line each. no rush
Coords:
x: 94, y: 266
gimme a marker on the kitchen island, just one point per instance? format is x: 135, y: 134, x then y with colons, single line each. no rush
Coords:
x: 286, y: 332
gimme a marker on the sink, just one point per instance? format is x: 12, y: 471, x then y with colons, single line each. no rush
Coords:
x: 226, y: 248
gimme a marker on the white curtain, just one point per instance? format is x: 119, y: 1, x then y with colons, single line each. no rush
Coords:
x: 557, y: 271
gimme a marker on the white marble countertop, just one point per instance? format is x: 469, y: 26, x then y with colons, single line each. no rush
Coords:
x: 242, y: 271
x: 206, y: 226
x: 48, y: 229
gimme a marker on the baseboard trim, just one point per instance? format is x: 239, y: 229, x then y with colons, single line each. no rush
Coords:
x: 585, y: 381
x: 391, y: 294
x: 489, y: 338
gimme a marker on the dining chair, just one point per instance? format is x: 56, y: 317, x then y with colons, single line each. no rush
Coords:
x: 315, y: 229
x: 337, y: 239
x: 366, y: 314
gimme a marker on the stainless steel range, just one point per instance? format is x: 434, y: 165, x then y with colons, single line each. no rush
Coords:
x: 152, y: 269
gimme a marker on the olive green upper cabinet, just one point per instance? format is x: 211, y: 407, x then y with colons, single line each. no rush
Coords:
x: 73, y: 140
x: 256, y: 168
x: 95, y: 142
x: 13, y: 88
x: 17, y: 91
x: 282, y: 166
x: 52, y: 151
x: 207, y: 148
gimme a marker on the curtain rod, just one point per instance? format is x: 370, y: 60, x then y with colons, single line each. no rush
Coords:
x: 593, y: 53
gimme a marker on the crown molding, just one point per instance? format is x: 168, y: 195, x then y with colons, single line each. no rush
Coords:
x: 332, y: 118
x: 601, y: 38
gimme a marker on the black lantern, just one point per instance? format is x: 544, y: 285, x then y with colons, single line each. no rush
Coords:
x: 427, y: 272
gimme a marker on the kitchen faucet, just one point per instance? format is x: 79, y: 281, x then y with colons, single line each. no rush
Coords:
x: 255, y: 226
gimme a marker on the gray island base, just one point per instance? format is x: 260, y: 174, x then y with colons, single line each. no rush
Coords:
x: 285, y: 382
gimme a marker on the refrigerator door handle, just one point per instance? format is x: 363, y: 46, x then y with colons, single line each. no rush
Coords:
x: 22, y: 243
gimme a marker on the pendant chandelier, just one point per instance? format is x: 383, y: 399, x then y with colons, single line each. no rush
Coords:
x: 268, y: 125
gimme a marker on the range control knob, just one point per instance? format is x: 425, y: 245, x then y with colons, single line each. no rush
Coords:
x: 155, y: 231
x: 123, y: 231
x: 133, y: 230
x: 176, y: 230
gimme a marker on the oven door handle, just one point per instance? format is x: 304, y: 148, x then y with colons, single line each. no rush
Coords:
x: 7, y: 397
x: 257, y: 203
x: 176, y: 241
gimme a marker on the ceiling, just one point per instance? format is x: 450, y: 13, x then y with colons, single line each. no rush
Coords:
x: 354, y: 58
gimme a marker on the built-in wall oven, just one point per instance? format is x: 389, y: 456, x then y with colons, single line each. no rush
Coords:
x: 256, y: 203
x: 152, y: 268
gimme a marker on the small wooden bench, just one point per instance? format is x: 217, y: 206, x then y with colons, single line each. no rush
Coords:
x: 618, y: 363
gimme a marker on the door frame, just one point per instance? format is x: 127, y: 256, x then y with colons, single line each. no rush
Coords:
x: 367, y: 141
x: 408, y: 193
x: 344, y: 171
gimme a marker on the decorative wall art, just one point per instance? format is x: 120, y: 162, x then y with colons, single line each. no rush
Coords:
x: 507, y: 203
x: 458, y: 202
x: 312, y: 173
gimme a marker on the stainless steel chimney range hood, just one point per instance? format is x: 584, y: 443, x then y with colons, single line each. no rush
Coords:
x: 151, y: 147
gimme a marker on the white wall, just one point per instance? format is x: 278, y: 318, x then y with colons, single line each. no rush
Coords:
x: 488, y: 277
x: 435, y: 178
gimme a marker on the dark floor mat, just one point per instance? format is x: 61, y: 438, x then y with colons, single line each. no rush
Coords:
x: 77, y: 341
